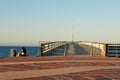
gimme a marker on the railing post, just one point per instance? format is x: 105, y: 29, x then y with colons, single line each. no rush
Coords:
x: 117, y: 52
x: 65, y: 50
x: 91, y: 50
x: 38, y: 53
x: 39, y: 50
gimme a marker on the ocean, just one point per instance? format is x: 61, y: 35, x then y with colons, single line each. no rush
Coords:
x: 31, y: 50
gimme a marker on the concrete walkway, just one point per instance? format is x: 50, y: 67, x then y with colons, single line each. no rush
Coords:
x: 76, y: 49
x: 38, y: 73
x: 57, y: 61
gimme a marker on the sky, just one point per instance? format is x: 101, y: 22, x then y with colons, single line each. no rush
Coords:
x: 26, y: 22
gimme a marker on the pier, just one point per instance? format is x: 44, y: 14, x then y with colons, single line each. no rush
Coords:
x: 65, y: 48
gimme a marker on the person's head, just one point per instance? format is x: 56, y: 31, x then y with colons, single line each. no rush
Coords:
x: 13, y: 48
x: 23, y: 49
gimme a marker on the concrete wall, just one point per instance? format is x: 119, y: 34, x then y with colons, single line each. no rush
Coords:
x: 100, y: 46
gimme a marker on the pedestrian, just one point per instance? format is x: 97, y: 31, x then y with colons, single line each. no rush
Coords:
x: 12, y: 52
x: 22, y: 52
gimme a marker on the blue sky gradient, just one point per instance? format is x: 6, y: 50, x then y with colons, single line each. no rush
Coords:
x: 27, y: 22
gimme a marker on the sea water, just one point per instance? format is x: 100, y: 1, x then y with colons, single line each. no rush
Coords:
x: 31, y: 50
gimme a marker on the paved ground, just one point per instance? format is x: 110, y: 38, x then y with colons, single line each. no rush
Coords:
x: 79, y: 67
x: 60, y: 68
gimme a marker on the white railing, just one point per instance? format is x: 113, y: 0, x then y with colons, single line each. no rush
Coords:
x: 96, y: 45
x: 48, y: 46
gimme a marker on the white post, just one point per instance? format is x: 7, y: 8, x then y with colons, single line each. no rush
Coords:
x: 39, y: 50
x: 91, y: 50
x: 65, y: 49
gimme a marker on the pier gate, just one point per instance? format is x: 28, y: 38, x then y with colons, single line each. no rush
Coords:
x: 113, y: 50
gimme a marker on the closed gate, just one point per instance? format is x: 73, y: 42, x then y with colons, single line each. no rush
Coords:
x: 113, y: 50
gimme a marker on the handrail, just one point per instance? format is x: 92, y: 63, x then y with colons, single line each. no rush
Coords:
x: 48, y: 46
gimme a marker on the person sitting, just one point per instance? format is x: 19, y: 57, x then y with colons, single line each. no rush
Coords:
x: 22, y: 52
x: 12, y: 52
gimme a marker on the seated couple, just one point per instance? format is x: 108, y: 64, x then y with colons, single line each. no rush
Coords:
x: 22, y: 52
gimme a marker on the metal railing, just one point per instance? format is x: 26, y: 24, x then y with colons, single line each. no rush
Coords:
x: 113, y: 50
x: 45, y: 47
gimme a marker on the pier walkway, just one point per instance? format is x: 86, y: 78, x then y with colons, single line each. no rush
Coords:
x: 73, y: 49
x: 79, y: 48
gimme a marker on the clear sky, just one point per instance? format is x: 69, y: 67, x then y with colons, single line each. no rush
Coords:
x: 30, y: 21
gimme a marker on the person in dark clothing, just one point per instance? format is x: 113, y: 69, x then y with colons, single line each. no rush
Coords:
x: 23, y: 52
x: 12, y: 52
